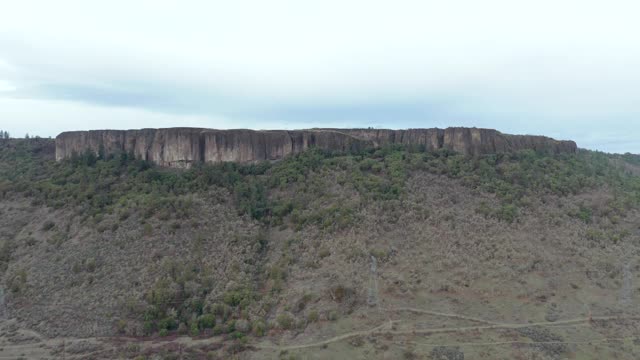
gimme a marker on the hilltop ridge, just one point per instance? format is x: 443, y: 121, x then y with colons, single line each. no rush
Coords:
x: 182, y: 147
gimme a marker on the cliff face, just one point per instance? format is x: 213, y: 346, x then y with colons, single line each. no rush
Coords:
x: 181, y: 147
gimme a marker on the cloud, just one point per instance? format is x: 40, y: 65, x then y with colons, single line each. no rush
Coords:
x: 47, y: 118
x: 545, y: 67
x: 6, y: 86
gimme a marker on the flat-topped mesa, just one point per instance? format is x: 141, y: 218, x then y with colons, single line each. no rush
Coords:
x: 181, y: 147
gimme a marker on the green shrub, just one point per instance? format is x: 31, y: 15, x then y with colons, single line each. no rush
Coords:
x: 121, y: 326
x: 193, y: 329
x: 241, y: 298
x: 313, y: 316
x: 148, y: 327
x: 507, y: 213
x: 237, y: 335
x: 378, y: 253
x: 207, y: 321
x: 168, y: 323
x: 230, y: 326
x: 147, y: 229
x: 259, y: 328
x: 219, y: 329
x: 285, y: 321
x: 324, y: 252
x: 585, y: 214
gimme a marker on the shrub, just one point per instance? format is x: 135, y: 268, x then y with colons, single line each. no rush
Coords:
x: 242, y: 325
x: 168, y: 323
x: 259, y: 328
x: 18, y: 282
x: 193, y: 329
x: 206, y: 321
x: 148, y: 327
x: 48, y: 225
x: 219, y: 329
x: 148, y: 230
x: 242, y: 297
x: 121, y: 326
x: 324, y: 252
x: 378, y: 254
x: 595, y: 235
x: 332, y: 315
x: 230, y: 326
x: 285, y: 321
x: 90, y: 264
x: 340, y: 293
x: 585, y: 214
x: 507, y: 213
x: 313, y: 316
x: 237, y: 335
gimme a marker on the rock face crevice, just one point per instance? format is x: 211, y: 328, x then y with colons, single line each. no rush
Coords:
x: 182, y: 147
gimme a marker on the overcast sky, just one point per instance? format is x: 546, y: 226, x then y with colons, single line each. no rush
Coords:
x: 566, y: 69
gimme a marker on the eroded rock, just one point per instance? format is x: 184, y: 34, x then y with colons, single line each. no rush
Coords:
x: 182, y: 147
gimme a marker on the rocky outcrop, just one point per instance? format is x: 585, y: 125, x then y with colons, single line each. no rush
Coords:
x: 468, y: 141
x: 181, y: 147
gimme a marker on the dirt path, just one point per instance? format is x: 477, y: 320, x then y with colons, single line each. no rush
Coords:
x: 41, y: 348
x: 386, y: 329
x: 497, y: 343
x: 435, y: 313
x: 44, y: 348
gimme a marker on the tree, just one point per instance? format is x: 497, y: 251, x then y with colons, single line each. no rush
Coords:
x: 26, y: 136
x: 6, y: 135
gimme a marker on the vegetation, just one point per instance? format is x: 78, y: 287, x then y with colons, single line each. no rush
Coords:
x: 93, y: 185
x: 97, y: 184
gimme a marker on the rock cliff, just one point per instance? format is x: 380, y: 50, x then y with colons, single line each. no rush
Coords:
x: 181, y: 147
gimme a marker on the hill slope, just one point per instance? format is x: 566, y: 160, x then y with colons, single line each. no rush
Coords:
x: 521, y: 255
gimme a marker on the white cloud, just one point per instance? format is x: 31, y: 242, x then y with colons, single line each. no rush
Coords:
x: 544, y: 65
x: 47, y: 118
x: 6, y: 86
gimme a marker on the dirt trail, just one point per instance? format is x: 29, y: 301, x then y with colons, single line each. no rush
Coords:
x: 43, y: 348
x: 469, y: 344
x: 46, y: 348
x: 454, y: 316
x: 385, y: 329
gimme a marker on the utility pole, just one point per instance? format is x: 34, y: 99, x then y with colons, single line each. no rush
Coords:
x: 372, y: 299
x: 2, y: 305
x: 626, y: 297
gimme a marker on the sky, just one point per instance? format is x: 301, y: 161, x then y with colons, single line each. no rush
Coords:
x: 566, y: 69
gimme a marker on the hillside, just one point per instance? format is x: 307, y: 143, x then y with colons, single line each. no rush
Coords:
x: 380, y: 253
